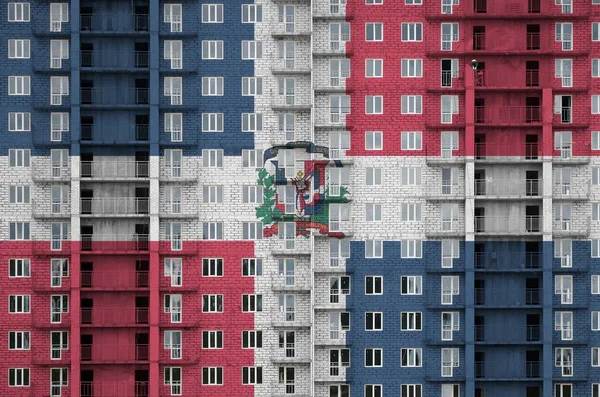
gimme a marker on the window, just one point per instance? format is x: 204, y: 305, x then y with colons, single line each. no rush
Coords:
x: 59, y: 50
x: 251, y: 339
x: 564, y: 34
x: 19, y: 157
x: 252, y: 86
x: 212, y: 267
x: 59, y: 87
x: 339, y: 323
x: 563, y: 322
x: 212, y: 194
x: 59, y: 341
x: 19, y: 49
x: 413, y: 2
x: 251, y: 13
x: 173, y: 343
x: 563, y: 358
x: 450, y: 251
x: 212, y: 339
x: 252, y: 122
x: 450, y: 323
x: 563, y: 390
x: 18, y: 194
x: 252, y: 230
x: 18, y: 231
x: 212, y: 122
x: 595, y: 386
x: 172, y: 377
x: 595, y: 321
x: 58, y: 379
x: 595, y: 248
x: 286, y: 195
x: 374, y: 68
x: 19, y: 268
x: 373, y: 285
x: 173, y: 161
x: 412, y: 104
x: 287, y: 123
x: 173, y: 305
x: 173, y: 51
x: 18, y: 340
x: 59, y: 233
x: 595, y: 31
x: 339, y: 71
x: 595, y: 104
x: 374, y: 104
x: 212, y: 303
x: 59, y: 269
x: 449, y: 107
x: 595, y: 67
x: 373, y: 357
x: 450, y: 360
x: 411, y: 357
x: 412, y: 31
x: 59, y: 123
x: 339, y: 391
x: 373, y: 249
x: 373, y: 321
x: 18, y: 12
x: 251, y: 267
x: 338, y: 286
x: 373, y: 2
x: 251, y: 49
x: 373, y: 176
x: 212, y: 86
x: 212, y: 13
x: 563, y: 69
x: 252, y: 159
x: 174, y: 235
x: 595, y: 284
x: 174, y: 125
x: 562, y: 215
x: 411, y: 248
x: 411, y: 140
x: 287, y: 233
x: 412, y: 68
x: 19, y: 85
x: 595, y: 175
x: 173, y: 270
x: 211, y: 50
x: 411, y: 176
x: 373, y: 140
x: 173, y: 199
x: 173, y: 16
x: 339, y: 33
x: 563, y: 286
x: 173, y: 88
x: 411, y: 212
x: 450, y: 390
x: 338, y: 358
x: 59, y: 304
x: 373, y: 390
x: 339, y: 107
x: 411, y: 321
x: 374, y: 31
x: 339, y: 251
x: 18, y: 377
x: 59, y: 14
x: 411, y: 285
x: 450, y: 288
x: 212, y: 158
x: 411, y: 390
x: 251, y: 375
x: 252, y: 194
x: 449, y: 35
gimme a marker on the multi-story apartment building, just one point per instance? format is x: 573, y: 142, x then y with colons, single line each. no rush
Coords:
x: 275, y: 198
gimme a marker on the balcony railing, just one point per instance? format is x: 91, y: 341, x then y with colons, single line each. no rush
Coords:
x: 125, y: 280
x: 533, y: 333
x: 502, y: 79
x: 114, y: 169
x: 295, y: 24
x: 114, y: 353
x: 114, y: 317
x: 94, y: 135
x: 578, y: 226
x: 327, y: 116
x: 532, y: 41
x: 576, y: 188
x: 290, y: 64
x: 114, y: 59
x: 114, y: 23
x: 479, y: 369
x: 114, y: 206
x: 479, y: 333
x: 114, y: 242
x: 505, y: 224
x: 295, y: 100
x: 114, y: 388
x: 573, y: 152
x: 515, y: 8
x: 47, y: 170
x: 114, y: 97
x: 492, y: 297
x: 508, y: 115
x: 493, y: 152
x: 508, y: 187
x: 533, y: 369
x: 508, y: 260
x: 47, y: 209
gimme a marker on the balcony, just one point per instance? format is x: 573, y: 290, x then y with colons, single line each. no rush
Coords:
x: 114, y: 170
x: 439, y: 227
x: 291, y: 66
x: 439, y: 156
x: 439, y: 190
x: 126, y: 135
x: 114, y: 353
x: 113, y: 60
x: 178, y: 209
x: 505, y: 225
x: 291, y: 246
x: 51, y: 245
x: 114, y: 388
x: 508, y: 9
x: 111, y: 317
x: 290, y: 282
x: 508, y: 261
x: 114, y: 281
x: 46, y: 209
x: 331, y: 117
x: 505, y: 153
x: 528, y: 79
x: 292, y: 353
x: 532, y: 43
x: 117, y: 97
x: 533, y: 369
x: 496, y: 298
x: 114, y: 207
x: 290, y: 102
x: 576, y: 189
x: 532, y: 333
x: 114, y: 243
x: 45, y: 170
x: 120, y: 24
x: 570, y: 227
x: 501, y: 116
x: 508, y: 188
x: 572, y: 153
x: 290, y: 319
x: 290, y: 26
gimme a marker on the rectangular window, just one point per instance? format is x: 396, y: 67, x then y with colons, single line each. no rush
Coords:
x: 450, y: 324
x: 450, y: 251
x: 374, y: 104
x: 595, y: 67
x: 411, y: 285
x: 18, y: 12
x: 595, y: 104
x: 373, y: 140
x: 251, y: 13
x: 251, y: 375
x: 252, y: 122
x: 173, y: 16
x: 18, y: 231
x: 563, y: 358
x: 18, y: 340
x: 59, y: 269
x: 212, y: 13
x: 212, y: 267
x: 373, y: 249
x: 212, y: 339
x: 373, y: 321
x: 212, y: 375
x: 212, y: 49
x: 338, y: 286
x: 373, y: 357
x: 212, y: 230
x: 411, y: 321
x: 173, y: 233
x: 19, y: 85
x: 339, y: 34
x: 59, y: 87
x: 563, y: 286
x: 173, y: 343
x: 59, y: 341
x: 212, y: 86
x: 339, y: 71
x: 18, y: 195
x: 172, y: 376
x: 59, y: 123
x: 174, y: 125
x: 563, y: 69
x: 59, y: 50
x: 411, y: 176
x: 563, y: 323
x: 412, y: 140
x: 595, y: 31
x: 252, y: 86
x: 212, y: 122
x: 173, y: 51
x: 19, y: 157
x: 212, y: 194
x: 18, y: 377
x: 373, y: 285
x: 173, y: 270
x: 374, y: 31
x: 449, y: 35
x: 212, y: 158
x: 252, y: 158
x: 59, y: 14
x: 287, y: 122
x: 411, y: 249
x: 251, y: 339
x: 373, y: 176
x: 58, y: 380
x: 412, y: 31
x: 212, y: 303
x: 59, y: 304
x: 252, y: 230
x: 19, y: 49
x: 411, y: 212
x: 374, y: 68
x: 449, y: 104
x: 412, y: 68
x: 252, y: 194
x: 411, y: 357
x: 173, y: 88
x: 564, y: 34
x: 411, y: 390
x: 412, y: 104
x: 19, y: 267
x: 450, y: 360
x: 373, y: 390
x: 339, y: 251
x: 251, y: 267
x: 173, y: 305
x: 450, y: 288
x: 251, y: 49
